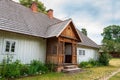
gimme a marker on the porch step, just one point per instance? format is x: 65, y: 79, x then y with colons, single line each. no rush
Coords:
x: 71, y: 69
x: 74, y: 70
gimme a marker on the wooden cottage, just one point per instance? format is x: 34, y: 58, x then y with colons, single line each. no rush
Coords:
x: 26, y: 35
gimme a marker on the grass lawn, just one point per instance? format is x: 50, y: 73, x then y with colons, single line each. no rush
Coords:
x: 89, y: 73
x: 116, y: 77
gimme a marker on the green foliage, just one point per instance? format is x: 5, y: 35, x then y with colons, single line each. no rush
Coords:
x: 24, y: 70
x: 89, y: 64
x: 36, y: 67
x: 94, y: 62
x: 84, y: 31
x: 17, y: 69
x: 111, y: 38
x: 51, y: 67
x: 104, y: 59
x: 11, y: 70
x: 40, y: 5
x: 83, y: 64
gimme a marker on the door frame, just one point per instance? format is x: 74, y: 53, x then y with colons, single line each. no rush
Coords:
x: 67, y: 56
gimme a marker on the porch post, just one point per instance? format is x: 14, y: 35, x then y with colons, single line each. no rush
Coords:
x: 74, y: 54
x: 60, y: 54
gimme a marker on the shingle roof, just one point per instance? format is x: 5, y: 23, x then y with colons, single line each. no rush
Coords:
x: 86, y: 41
x: 17, y: 18
x: 57, y: 28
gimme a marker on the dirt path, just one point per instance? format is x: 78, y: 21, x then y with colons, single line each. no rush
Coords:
x: 108, y: 77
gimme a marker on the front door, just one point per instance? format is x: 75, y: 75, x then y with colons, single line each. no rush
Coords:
x: 68, y: 53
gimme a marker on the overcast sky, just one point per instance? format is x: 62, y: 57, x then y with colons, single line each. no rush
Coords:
x: 93, y: 15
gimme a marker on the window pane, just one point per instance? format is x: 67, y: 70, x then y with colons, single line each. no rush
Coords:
x: 80, y: 52
x: 83, y: 52
x: 13, y: 47
x: 7, y: 48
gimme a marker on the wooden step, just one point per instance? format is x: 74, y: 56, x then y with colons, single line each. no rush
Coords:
x: 70, y: 67
x: 74, y: 70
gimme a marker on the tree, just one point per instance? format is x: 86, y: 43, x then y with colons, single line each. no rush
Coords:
x: 84, y: 31
x: 111, y: 38
x: 40, y: 5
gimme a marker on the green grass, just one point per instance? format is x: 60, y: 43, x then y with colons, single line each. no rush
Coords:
x: 116, y: 77
x: 89, y: 73
x: 115, y: 62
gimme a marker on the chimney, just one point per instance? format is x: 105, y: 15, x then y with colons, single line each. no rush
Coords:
x: 50, y: 13
x: 34, y: 7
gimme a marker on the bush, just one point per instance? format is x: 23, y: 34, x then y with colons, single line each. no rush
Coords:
x: 94, y: 62
x: 11, y: 70
x: 16, y: 69
x: 104, y: 59
x: 83, y: 64
x: 36, y: 67
x: 50, y: 66
x: 24, y: 70
x: 89, y: 64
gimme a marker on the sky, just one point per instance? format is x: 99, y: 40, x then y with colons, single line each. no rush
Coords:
x: 94, y: 15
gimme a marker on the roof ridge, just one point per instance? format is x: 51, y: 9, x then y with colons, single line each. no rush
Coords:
x: 29, y: 9
x: 60, y: 22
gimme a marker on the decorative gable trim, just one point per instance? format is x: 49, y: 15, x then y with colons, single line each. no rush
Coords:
x: 70, y: 21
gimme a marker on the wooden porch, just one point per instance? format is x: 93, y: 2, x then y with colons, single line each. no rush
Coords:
x: 62, y: 50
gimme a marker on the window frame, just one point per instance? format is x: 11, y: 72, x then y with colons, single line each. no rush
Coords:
x: 81, y: 52
x: 10, y: 48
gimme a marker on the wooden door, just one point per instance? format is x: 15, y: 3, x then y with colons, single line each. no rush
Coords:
x: 68, y: 53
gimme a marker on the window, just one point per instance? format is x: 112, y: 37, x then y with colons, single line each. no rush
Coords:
x: 81, y: 52
x: 54, y: 49
x: 9, y: 46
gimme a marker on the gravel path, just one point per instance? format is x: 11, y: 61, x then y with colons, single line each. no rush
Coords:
x: 108, y: 77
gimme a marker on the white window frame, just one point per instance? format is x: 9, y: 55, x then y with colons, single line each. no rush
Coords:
x: 82, y: 53
x: 4, y: 46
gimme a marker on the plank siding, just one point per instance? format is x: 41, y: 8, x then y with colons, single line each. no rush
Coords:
x: 52, y: 50
x: 90, y: 53
x: 27, y: 49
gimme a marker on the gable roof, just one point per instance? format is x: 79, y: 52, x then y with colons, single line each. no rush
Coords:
x: 86, y: 41
x: 17, y: 18
x: 56, y: 29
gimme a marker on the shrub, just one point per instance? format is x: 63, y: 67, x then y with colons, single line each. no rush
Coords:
x: 36, y: 67
x: 94, y: 62
x: 11, y: 70
x: 104, y: 59
x: 50, y: 66
x: 16, y: 69
x: 89, y: 64
x: 83, y: 64
x: 24, y: 70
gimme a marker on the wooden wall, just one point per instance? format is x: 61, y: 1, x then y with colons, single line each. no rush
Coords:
x: 52, y: 50
x: 27, y: 47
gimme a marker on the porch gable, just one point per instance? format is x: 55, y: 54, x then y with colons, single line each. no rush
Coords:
x: 70, y: 32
